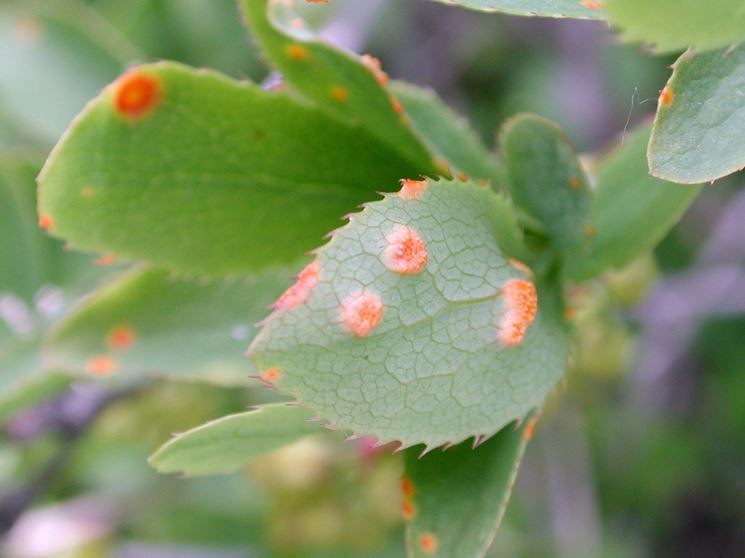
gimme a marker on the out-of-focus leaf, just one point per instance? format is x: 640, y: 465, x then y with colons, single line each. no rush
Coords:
x: 674, y: 25
x: 338, y: 81
x: 150, y: 323
x: 454, y: 500
x: 30, y: 391
x: 219, y: 177
x: 633, y: 210
x: 229, y: 443
x: 546, y: 179
x: 447, y: 134
x: 699, y: 131
x: 580, y: 9
x: 412, y: 325
x: 56, y: 56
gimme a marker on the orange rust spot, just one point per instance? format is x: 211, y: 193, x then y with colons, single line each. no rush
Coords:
x: 441, y: 166
x: 270, y: 376
x: 483, y: 182
x: 463, y: 177
x: 45, y: 222
x: 428, y: 543
x: 666, y: 96
x: 300, y: 290
x: 530, y: 428
x: 574, y: 183
x: 396, y: 105
x: 591, y: 4
x: 521, y: 301
x: 297, y: 23
x: 373, y: 64
x: 408, y: 510
x: 101, y: 365
x: 520, y: 266
x: 120, y: 337
x: 405, y: 252
x: 105, y: 259
x: 407, y: 487
x: 590, y: 230
x: 135, y: 94
x: 361, y: 313
x: 412, y: 189
x: 296, y: 52
x: 339, y: 93
x: 569, y: 313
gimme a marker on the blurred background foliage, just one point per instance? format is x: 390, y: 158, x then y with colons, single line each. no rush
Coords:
x: 642, y: 454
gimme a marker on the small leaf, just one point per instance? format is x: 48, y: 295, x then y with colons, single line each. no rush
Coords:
x: 633, y: 210
x: 199, y: 173
x: 699, y: 131
x: 338, y: 81
x: 580, y: 9
x: 546, y: 179
x: 674, y: 25
x: 454, y: 500
x: 413, y: 326
x: 447, y: 134
x: 229, y: 443
x: 149, y: 323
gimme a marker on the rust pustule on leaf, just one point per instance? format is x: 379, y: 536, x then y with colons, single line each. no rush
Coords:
x: 136, y: 94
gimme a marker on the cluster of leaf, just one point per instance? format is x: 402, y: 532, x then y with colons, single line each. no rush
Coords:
x: 220, y: 189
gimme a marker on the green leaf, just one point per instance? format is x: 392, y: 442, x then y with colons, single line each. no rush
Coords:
x: 633, y: 209
x: 219, y: 177
x: 416, y: 348
x: 447, y: 134
x: 546, y: 179
x: 56, y: 56
x: 338, y: 81
x: 229, y: 443
x: 150, y: 323
x: 454, y: 500
x: 542, y: 8
x: 699, y: 131
x: 674, y: 25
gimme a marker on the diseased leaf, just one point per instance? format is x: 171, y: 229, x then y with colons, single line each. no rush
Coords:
x: 149, y: 323
x: 674, y: 25
x: 56, y: 56
x: 546, y: 179
x: 341, y: 82
x: 447, y: 134
x: 580, y: 9
x: 454, y: 500
x: 412, y: 325
x: 699, y: 131
x: 633, y: 210
x: 199, y: 173
x: 229, y: 443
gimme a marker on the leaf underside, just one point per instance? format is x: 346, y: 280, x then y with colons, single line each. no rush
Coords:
x: 229, y: 443
x: 433, y: 370
x: 542, y: 8
x: 699, y: 132
x: 674, y: 25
